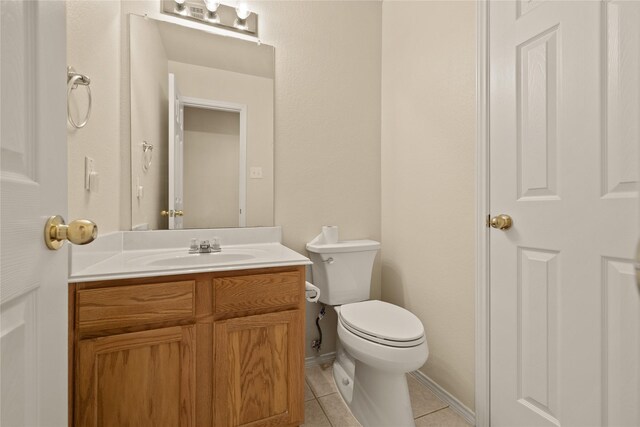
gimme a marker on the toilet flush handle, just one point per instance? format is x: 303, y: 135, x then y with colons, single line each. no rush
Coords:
x: 328, y: 260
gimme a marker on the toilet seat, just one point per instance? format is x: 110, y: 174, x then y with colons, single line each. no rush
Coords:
x: 382, y: 323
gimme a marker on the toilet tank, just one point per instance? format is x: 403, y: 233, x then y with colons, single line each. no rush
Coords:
x: 343, y: 270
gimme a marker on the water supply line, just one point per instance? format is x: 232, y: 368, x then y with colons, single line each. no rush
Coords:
x: 317, y: 344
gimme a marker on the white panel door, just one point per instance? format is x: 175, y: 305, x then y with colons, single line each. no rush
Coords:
x: 564, y: 136
x: 176, y: 154
x: 33, y: 186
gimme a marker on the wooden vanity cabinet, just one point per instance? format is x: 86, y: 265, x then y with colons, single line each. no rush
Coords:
x: 211, y: 349
x: 139, y: 378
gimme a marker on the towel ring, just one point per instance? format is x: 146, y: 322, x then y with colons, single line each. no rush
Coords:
x: 73, y: 81
x: 147, y: 155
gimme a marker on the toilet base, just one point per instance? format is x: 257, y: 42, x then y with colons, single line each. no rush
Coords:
x: 376, y: 398
x: 343, y: 372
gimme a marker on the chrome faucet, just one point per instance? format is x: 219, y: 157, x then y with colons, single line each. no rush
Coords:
x: 204, y: 247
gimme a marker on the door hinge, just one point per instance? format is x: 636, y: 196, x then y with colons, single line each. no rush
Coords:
x: 488, y: 220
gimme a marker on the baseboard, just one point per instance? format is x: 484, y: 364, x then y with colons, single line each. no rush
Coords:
x: 320, y: 359
x: 445, y: 396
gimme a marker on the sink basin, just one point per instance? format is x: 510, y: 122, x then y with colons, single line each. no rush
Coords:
x: 182, y: 258
x: 200, y: 259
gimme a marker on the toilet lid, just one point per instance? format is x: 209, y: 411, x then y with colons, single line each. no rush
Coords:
x: 382, y: 322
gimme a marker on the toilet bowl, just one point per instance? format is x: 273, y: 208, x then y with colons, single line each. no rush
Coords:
x: 378, y: 342
x: 380, y: 395
x: 382, y: 335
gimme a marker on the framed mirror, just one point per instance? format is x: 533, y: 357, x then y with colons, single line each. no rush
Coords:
x: 202, y: 109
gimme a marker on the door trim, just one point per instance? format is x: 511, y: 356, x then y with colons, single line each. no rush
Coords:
x: 483, y: 351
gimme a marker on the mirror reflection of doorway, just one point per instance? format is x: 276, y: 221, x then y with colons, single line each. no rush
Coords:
x: 211, y: 158
x: 207, y: 161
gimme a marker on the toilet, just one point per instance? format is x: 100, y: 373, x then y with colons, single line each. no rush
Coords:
x: 378, y: 342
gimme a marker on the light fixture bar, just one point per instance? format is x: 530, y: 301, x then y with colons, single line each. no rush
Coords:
x: 215, y: 14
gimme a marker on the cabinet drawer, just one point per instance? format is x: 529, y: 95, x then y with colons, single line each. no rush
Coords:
x: 242, y: 295
x: 126, y: 306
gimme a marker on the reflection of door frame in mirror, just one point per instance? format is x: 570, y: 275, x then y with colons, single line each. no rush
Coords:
x: 210, y: 104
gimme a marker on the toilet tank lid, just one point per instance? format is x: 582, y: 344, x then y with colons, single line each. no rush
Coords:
x: 345, y: 246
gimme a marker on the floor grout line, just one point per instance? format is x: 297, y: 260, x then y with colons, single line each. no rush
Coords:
x: 431, y: 413
x: 325, y: 395
x: 325, y: 413
x: 310, y: 388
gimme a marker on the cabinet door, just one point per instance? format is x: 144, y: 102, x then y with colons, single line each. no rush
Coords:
x: 258, y: 370
x: 138, y: 379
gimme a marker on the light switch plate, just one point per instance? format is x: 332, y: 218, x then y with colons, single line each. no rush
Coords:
x: 88, y: 168
x: 255, y: 172
x: 94, y: 182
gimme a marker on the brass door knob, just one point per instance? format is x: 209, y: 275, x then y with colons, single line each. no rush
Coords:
x: 178, y: 213
x: 166, y: 213
x: 78, y: 232
x: 501, y: 222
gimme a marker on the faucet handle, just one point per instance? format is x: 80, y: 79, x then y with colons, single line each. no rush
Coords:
x: 216, y: 244
x: 194, y: 245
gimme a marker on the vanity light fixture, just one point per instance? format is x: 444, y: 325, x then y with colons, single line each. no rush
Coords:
x: 239, y: 19
x: 242, y: 13
x: 212, y: 6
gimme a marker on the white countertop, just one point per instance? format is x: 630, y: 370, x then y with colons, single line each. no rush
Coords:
x: 117, y: 256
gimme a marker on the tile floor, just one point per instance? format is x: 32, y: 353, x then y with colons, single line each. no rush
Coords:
x: 325, y: 408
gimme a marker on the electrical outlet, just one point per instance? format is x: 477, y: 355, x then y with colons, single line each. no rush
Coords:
x: 255, y: 172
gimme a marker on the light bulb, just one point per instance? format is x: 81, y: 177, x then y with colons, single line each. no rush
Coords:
x: 242, y: 12
x: 212, y: 6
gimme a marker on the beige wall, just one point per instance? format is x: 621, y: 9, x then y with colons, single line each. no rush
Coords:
x: 93, y: 34
x: 428, y: 179
x: 149, y: 117
x: 257, y: 94
x: 327, y: 152
x: 211, y: 157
